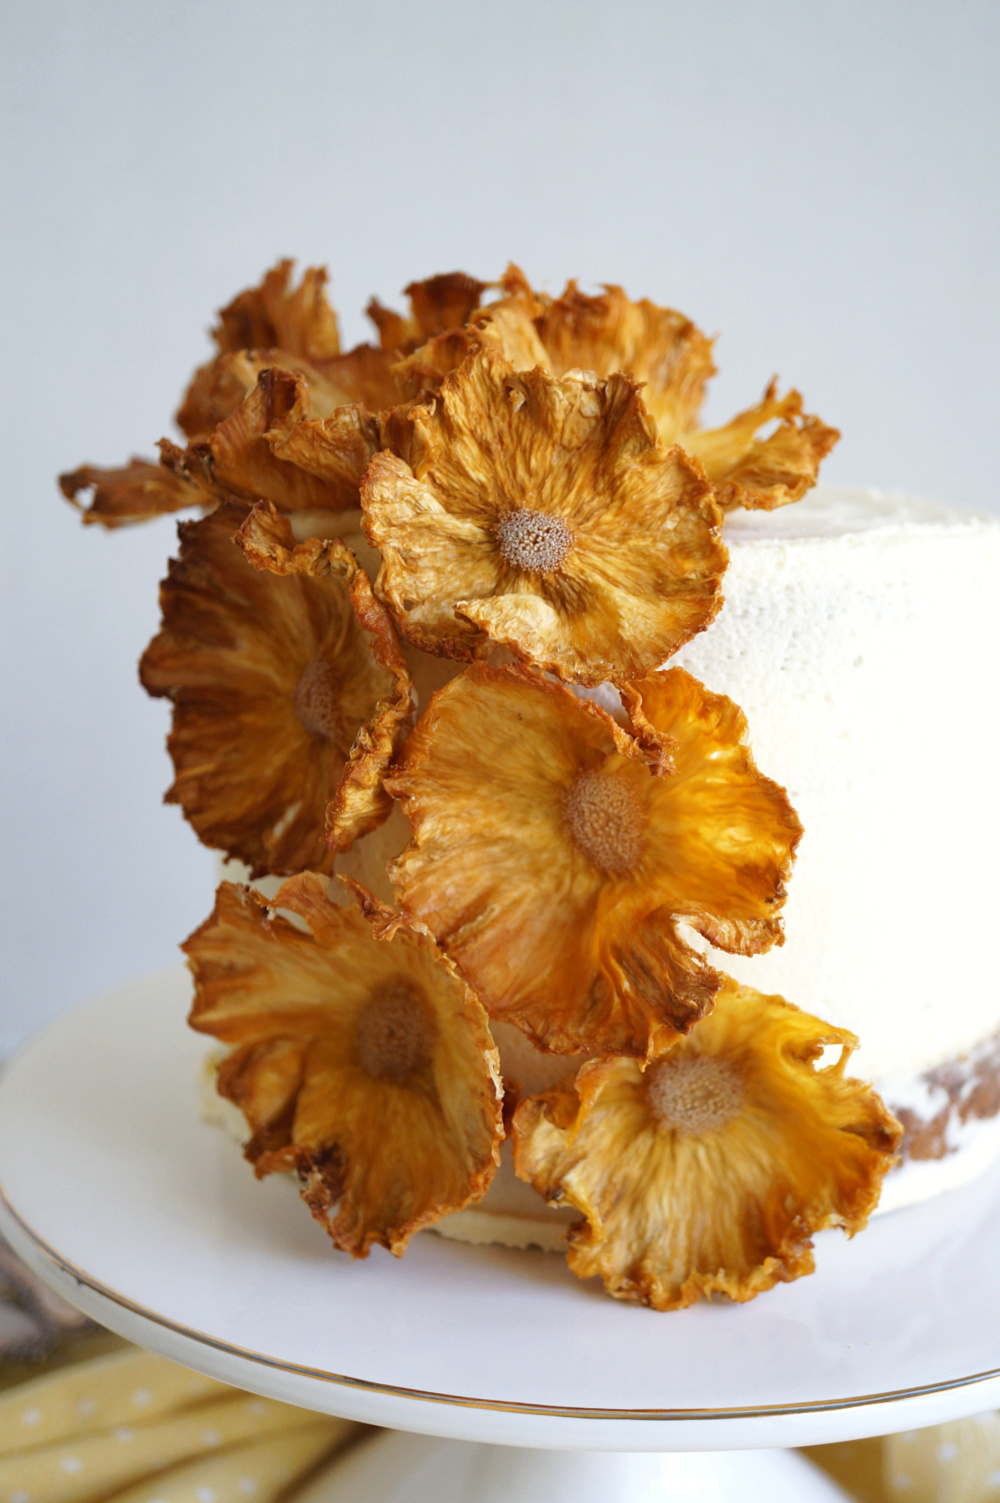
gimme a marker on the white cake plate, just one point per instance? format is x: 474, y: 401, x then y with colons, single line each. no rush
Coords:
x: 115, y: 1192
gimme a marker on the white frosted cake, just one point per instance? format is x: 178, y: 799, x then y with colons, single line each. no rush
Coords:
x: 527, y: 496
x: 860, y: 635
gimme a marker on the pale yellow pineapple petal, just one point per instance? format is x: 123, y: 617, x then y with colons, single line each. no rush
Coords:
x: 545, y: 839
x: 543, y: 516
x: 710, y: 1171
x: 359, y: 1058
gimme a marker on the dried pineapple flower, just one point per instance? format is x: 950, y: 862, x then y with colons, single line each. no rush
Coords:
x: 361, y: 803
x: 217, y: 390
x: 292, y: 333
x: 362, y: 376
x: 437, y: 304
x: 763, y: 473
x: 252, y: 453
x: 422, y: 373
x: 656, y: 346
x: 247, y: 454
x: 133, y: 493
x: 288, y: 692
x: 544, y: 516
x: 555, y: 853
x: 506, y: 326
x: 272, y: 326
x: 672, y: 359
x: 359, y: 1058
x: 275, y: 315
x: 710, y: 1172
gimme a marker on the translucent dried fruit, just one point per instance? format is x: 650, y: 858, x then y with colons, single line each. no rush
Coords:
x: 332, y: 451
x: 510, y: 323
x: 608, y: 332
x: 657, y: 346
x: 763, y: 473
x: 506, y: 326
x: 358, y: 1057
x: 133, y: 493
x: 710, y: 1171
x: 439, y: 303
x: 360, y: 803
x: 544, y: 516
x: 556, y: 855
x: 673, y: 358
x: 218, y: 388
x: 422, y: 373
x: 272, y: 445
x: 246, y: 455
x: 364, y: 375
x: 276, y: 315
x: 361, y: 376
x: 274, y: 676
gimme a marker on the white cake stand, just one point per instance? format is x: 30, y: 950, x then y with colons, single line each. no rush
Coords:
x: 115, y: 1192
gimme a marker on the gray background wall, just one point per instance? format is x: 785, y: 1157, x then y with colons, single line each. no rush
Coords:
x: 817, y: 182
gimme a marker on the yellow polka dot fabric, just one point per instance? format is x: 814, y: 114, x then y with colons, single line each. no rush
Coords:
x: 252, y: 1473
x: 135, y: 1428
x: 140, y: 1429
x: 120, y: 1389
x: 856, y: 1465
x: 954, y: 1463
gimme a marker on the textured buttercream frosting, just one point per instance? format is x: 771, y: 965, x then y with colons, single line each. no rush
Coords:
x: 860, y: 636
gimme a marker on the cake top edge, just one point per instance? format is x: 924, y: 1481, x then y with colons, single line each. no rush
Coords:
x: 842, y: 510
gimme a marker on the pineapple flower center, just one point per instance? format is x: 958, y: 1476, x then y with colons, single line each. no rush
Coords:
x: 605, y: 820
x: 394, y: 1037
x: 317, y: 701
x: 695, y: 1094
x: 533, y: 541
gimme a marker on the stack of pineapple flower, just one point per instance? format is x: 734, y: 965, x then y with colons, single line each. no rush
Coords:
x: 442, y: 577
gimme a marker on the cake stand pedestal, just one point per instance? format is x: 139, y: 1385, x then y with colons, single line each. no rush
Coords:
x: 149, y: 1221
x: 400, y: 1468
